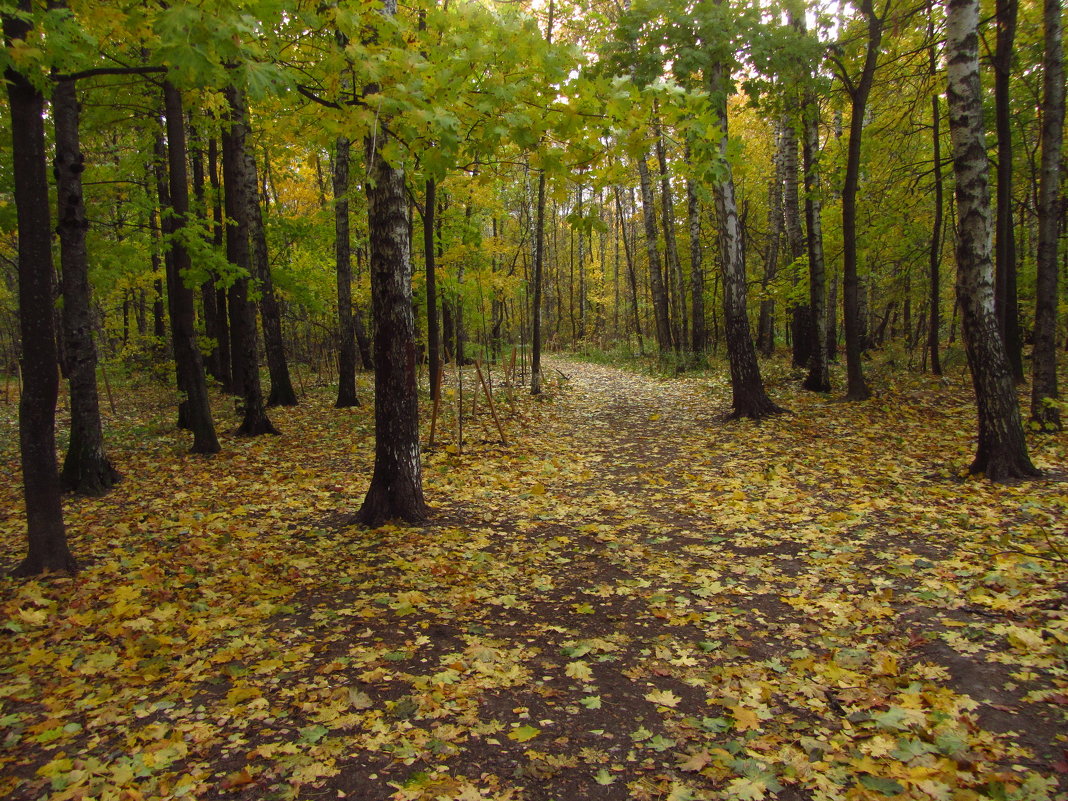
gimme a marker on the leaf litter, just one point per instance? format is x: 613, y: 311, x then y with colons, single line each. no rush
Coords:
x: 633, y: 599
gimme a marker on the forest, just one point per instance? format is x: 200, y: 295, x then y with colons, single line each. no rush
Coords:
x: 533, y: 400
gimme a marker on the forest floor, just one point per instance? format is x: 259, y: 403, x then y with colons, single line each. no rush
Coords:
x: 632, y: 599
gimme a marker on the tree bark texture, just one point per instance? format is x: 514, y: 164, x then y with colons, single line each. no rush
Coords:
x: 699, y: 335
x: 346, y: 352
x: 186, y: 351
x: 1006, y: 302
x: 747, y: 387
x: 1002, y: 451
x: 818, y: 379
x: 935, y: 250
x: 396, y: 490
x: 1044, y: 375
x: 86, y: 469
x: 766, y: 323
x: 539, y: 269
x: 656, y: 275
x: 801, y: 314
x: 243, y: 350
x: 46, y: 534
x: 433, y: 331
x: 857, y: 387
x: 282, y: 392
x: 672, y: 263
x: 222, y: 317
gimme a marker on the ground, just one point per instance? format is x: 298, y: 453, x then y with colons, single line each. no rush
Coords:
x: 630, y: 598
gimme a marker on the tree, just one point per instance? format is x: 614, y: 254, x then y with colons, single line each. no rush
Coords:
x: 818, y: 379
x: 396, y: 489
x: 187, y: 357
x: 1006, y: 301
x: 346, y: 355
x: 656, y: 274
x: 243, y: 350
x: 1044, y: 377
x: 282, y: 393
x: 1002, y: 451
x: 46, y: 533
x: 747, y: 388
x: 934, y: 296
x: 858, y: 91
x: 86, y: 469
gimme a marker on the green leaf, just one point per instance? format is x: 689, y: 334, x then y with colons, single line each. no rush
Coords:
x: 591, y: 702
x: 881, y: 785
x: 603, y: 777
x: 523, y: 733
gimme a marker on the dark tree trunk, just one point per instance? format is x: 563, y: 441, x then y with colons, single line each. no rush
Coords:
x: 186, y: 351
x: 699, y: 338
x: 631, y: 275
x: 747, y: 387
x: 672, y: 263
x: 209, y: 299
x: 818, y: 379
x: 282, y: 393
x: 222, y: 316
x: 857, y: 387
x: 243, y: 351
x: 801, y: 315
x: 656, y: 276
x: 935, y: 251
x: 86, y: 469
x: 766, y: 324
x: 1044, y: 375
x: 396, y: 490
x: 539, y: 268
x: 832, y: 320
x: 1002, y: 452
x: 46, y: 534
x: 433, y: 333
x: 1006, y: 301
x: 346, y: 354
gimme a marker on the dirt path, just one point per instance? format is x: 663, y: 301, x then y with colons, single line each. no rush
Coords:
x: 632, y: 600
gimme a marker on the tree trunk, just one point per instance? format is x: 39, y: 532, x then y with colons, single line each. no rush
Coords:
x: 1006, y: 302
x: 243, y: 350
x: 539, y: 261
x: 1044, y: 375
x: 396, y: 490
x: 935, y: 251
x: 699, y: 339
x: 1002, y: 452
x: 46, y: 534
x: 672, y: 263
x: 346, y: 354
x: 86, y: 469
x: 433, y: 333
x: 801, y: 315
x: 857, y: 388
x: 222, y: 317
x: 749, y: 398
x: 656, y: 276
x: 282, y: 393
x: 186, y: 351
x: 208, y: 296
x: 766, y: 324
x: 818, y: 379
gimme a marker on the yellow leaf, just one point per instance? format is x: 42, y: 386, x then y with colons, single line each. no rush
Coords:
x: 664, y: 698
x: 744, y: 719
x: 240, y: 694
x: 579, y: 670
